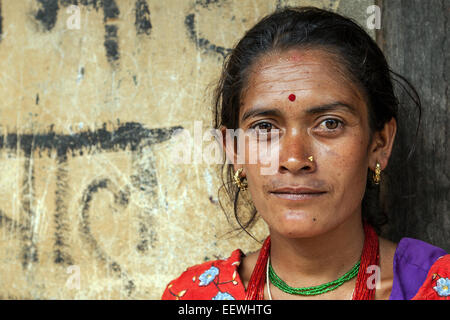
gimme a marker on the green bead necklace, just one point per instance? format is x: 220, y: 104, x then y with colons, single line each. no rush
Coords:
x: 311, y: 291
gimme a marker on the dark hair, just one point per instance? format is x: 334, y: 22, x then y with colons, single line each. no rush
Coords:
x: 309, y: 27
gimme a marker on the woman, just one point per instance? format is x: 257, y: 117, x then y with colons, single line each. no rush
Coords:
x: 316, y: 89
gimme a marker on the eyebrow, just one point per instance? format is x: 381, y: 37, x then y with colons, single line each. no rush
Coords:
x: 331, y: 107
x: 311, y: 111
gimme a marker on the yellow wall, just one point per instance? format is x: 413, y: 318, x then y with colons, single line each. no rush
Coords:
x: 87, y: 133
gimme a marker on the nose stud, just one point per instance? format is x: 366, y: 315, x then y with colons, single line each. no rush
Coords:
x: 311, y: 158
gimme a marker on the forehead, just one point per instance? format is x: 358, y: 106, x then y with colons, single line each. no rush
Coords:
x: 313, y: 75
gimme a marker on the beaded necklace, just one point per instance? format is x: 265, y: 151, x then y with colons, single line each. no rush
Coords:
x: 370, y: 256
x: 312, y: 291
x: 268, y: 282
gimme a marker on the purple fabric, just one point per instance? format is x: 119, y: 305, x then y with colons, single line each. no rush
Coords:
x: 412, y: 261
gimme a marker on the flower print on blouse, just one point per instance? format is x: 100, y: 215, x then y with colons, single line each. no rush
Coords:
x: 223, y: 296
x: 442, y: 287
x: 208, y: 276
x: 214, y: 280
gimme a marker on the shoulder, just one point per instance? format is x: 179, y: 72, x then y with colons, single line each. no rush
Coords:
x: 247, y: 265
x: 413, y: 261
x: 417, y: 253
x: 216, y: 280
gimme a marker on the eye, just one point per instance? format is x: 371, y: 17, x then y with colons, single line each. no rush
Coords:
x: 264, y: 130
x: 267, y: 126
x: 331, y: 124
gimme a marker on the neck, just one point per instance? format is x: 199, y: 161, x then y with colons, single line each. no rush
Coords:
x: 303, y: 262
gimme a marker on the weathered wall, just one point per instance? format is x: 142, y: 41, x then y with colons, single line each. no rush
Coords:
x: 87, y: 122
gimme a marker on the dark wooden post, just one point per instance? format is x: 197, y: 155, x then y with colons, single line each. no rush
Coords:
x: 414, y: 38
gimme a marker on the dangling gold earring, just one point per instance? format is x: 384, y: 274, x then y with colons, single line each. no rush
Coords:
x: 377, y: 174
x: 237, y: 180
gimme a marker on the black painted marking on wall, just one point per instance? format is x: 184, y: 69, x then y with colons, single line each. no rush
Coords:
x: 94, y: 3
x: 120, y: 197
x: 189, y: 22
x: 142, y: 19
x: 110, y: 10
x: 8, y: 223
x: 202, y: 43
x: 1, y: 22
x: 85, y: 227
x: 29, y: 252
x: 144, y: 179
x: 48, y: 13
x: 131, y: 135
x: 143, y: 243
x: 207, y: 3
x: 61, y: 253
x: 111, y: 43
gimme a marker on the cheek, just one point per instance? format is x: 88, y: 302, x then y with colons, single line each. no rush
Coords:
x: 263, y: 153
x: 346, y: 163
x: 256, y: 181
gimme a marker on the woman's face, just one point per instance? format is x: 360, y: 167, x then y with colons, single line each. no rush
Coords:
x: 318, y: 113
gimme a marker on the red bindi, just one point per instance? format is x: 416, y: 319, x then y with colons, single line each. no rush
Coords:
x: 292, y: 97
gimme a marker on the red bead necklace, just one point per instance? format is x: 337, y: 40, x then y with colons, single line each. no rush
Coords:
x: 370, y: 257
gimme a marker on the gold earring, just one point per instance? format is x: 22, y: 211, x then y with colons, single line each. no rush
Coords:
x: 237, y: 180
x: 377, y: 174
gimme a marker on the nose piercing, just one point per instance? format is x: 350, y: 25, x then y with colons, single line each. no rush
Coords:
x: 311, y: 158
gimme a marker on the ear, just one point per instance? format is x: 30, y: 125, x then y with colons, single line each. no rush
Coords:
x: 230, y: 148
x: 381, y: 146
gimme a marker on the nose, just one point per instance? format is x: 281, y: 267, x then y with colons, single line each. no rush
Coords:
x: 295, y: 149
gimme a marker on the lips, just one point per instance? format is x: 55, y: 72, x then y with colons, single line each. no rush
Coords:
x: 297, y: 193
x: 297, y: 190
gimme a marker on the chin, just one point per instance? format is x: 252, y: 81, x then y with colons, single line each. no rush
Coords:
x: 298, y: 224
x: 298, y: 233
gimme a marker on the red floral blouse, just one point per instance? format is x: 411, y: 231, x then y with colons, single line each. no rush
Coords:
x: 219, y: 280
